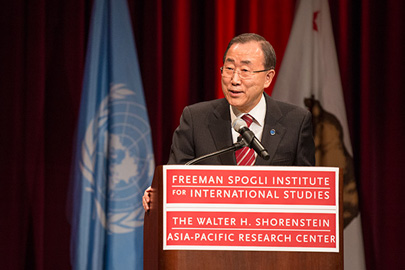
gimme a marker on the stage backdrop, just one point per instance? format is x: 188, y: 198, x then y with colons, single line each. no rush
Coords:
x: 180, y: 45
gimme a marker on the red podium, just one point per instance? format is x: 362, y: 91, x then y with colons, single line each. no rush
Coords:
x: 304, y: 215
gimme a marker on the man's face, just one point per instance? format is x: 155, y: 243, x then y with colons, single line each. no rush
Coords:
x: 245, y: 94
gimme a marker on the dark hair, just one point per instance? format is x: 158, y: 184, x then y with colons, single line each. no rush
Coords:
x: 269, y: 53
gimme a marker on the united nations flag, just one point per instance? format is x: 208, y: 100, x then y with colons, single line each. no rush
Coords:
x: 114, y: 160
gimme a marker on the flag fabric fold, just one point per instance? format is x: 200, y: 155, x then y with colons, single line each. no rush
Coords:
x: 113, y: 162
x: 309, y: 77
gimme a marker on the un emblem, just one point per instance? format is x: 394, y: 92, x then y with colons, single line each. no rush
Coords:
x: 117, y: 160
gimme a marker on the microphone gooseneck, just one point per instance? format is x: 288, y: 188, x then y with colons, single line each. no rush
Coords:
x: 240, y: 126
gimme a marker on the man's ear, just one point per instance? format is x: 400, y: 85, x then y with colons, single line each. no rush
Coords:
x: 269, y: 77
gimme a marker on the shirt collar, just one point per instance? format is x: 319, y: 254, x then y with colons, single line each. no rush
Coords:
x: 258, y: 112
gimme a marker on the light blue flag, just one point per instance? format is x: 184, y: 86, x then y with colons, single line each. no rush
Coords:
x: 114, y: 160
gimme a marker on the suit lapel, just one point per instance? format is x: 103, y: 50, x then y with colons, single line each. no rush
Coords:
x: 271, y: 142
x: 221, y: 131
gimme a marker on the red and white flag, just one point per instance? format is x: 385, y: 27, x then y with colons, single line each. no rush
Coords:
x: 309, y: 77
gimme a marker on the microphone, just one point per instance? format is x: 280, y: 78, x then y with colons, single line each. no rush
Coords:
x: 240, y: 126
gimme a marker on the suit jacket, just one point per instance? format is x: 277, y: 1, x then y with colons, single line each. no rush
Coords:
x: 206, y: 127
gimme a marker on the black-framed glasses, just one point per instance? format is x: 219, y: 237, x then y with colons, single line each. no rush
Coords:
x: 227, y: 72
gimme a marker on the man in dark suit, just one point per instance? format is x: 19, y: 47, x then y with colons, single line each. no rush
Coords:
x: 285, y: 130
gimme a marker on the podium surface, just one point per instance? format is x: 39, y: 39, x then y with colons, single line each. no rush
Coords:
x: 156, y: 257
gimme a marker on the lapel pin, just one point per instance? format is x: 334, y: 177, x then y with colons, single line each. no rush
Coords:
x: 272, y: 132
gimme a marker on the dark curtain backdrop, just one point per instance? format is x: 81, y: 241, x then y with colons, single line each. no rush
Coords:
x: 180, y: 44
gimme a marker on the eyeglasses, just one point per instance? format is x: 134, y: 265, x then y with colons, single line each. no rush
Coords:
x: 227, y: 72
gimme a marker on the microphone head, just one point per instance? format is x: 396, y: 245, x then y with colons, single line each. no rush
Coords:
x: 238, y: 124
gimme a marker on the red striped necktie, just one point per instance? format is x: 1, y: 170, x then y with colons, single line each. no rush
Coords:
x: 246, y: 155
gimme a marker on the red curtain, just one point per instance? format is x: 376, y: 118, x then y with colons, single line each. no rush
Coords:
x: 180, y: 46
x: 382, y: 127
